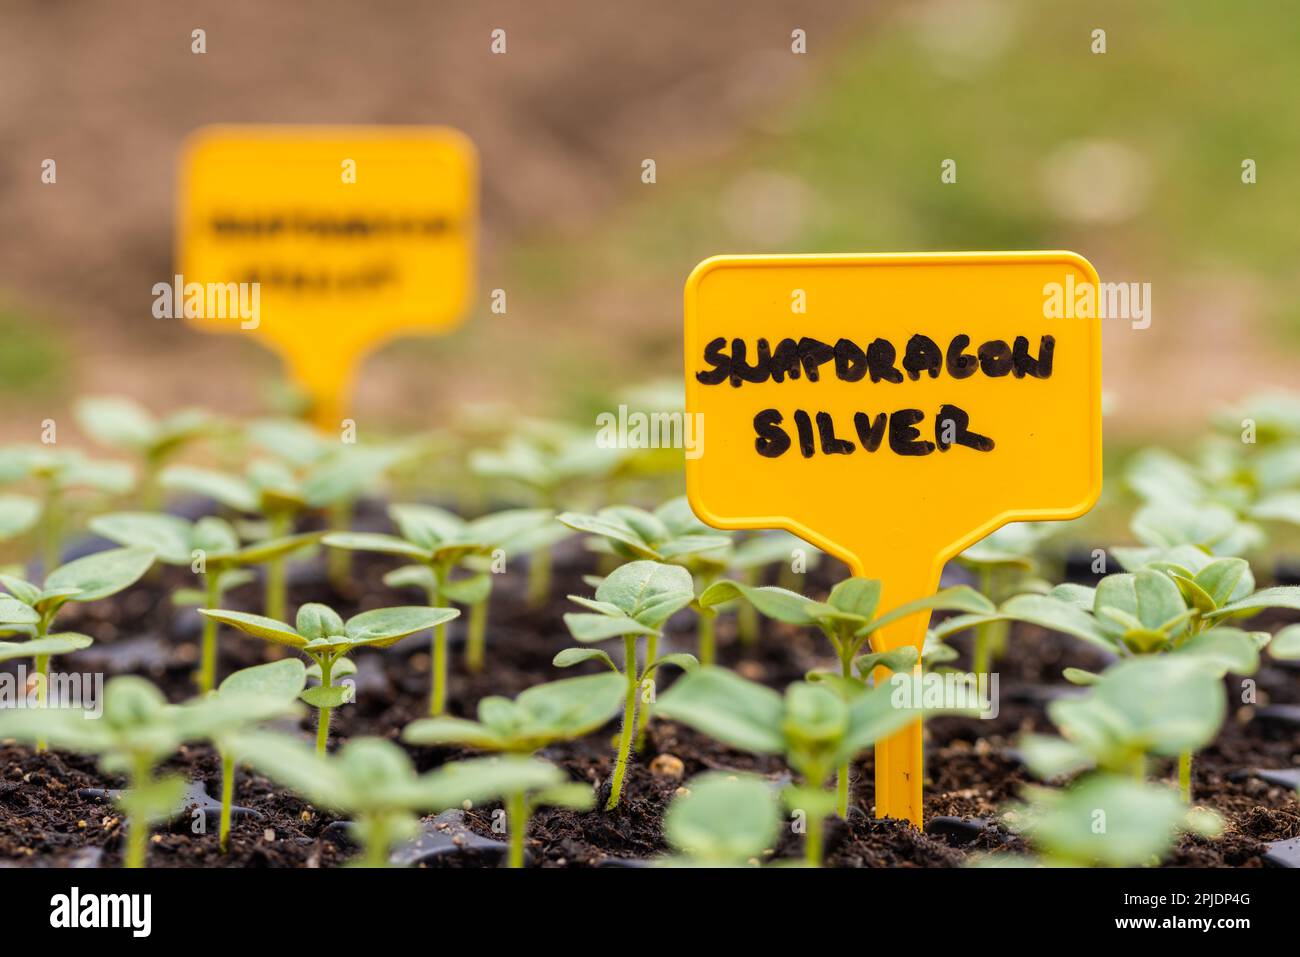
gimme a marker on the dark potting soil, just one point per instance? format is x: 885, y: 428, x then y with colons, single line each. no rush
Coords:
x: 47, y: 817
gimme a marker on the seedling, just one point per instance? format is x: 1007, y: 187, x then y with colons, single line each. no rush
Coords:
x: 18, y: 515
x: 1251, y: 482
x: 815, y: 726
x: 521, y: 784
x: 670, y: 534
x: 848, y: 619
x: 1161, y: 706
x: 634, y: 601
x: 1211, y: 527
x: 1285, y: 645
x: 321, y: 635
x: 372, y: 779
x: 1141, y: 822
x: 334, y: 474
x: 1004, y: 562
x: 756, y: 553
x: 268, y: 489
x: 125, y: 425
x: 32, y: 609
x: 269, y: 690
x: 62, y: 478
x: 137, y: 729
x: 1139, y: 708
x: 441, y: 542
x: 211, y: 548
x: 552, y: 464
x: 557, y: 711
x: 723, y: 820
x: 1181, y: 608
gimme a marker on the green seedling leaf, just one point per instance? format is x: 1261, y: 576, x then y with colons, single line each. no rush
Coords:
x: 1057, y: 615
x: 375, y: 542
x: 898, y: 660
x: 229, y: 490
x: 426, y: 526
x: 1077, y: 676
x: 723, y: 820
x: 593, y: 628
x: 1142, y: 821
x: 1285, y: 645
x: 168, y: 536
x: 441, y: 731
x: 1225, y: 650
x: 776, y: 603
x: 468, y: 591
x: 556, y: 711
x: 61, y: 644
x: 268, y: 549
x: 573, y: 795
x: 679, y: 659
x: 614, y: 529
x: 576, y: 656
x: 1048, y: 757
x: 506, y: 527
x: 316, y: 621
x: 15, y: 612
x: 101, y: 574
x: 24, y: 591
x: 412, y: 576
x: 1011, y: 545
x: 856, y: 596
x: 268, y: 629
x: 334, y: 696
x: 725, y: 706
x: 648, y: 592
x: 18, y: 514
x: 484, y: 779
x: 1163, y: 705
x: 117, y: 421
x: 1283, y: 596
x: 385, y: 626
x: 877, y: 713
x: 215, y: 536
x: 958, y: 598
x: 281, y: 680
x: 1081, y: 596
x: 154, y: 801
x: 1226, y: 579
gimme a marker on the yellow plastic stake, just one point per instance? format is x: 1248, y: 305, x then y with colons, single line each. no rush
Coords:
x: 893, y: 410
x: 352, y: 234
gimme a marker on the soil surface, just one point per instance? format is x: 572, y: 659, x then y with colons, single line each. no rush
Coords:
x: 48, y: 818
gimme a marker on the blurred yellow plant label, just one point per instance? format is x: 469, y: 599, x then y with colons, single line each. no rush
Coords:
x: 892, y: 410
x: 336, y: 239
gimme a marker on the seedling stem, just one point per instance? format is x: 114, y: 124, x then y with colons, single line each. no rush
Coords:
x: 517, y: 822
x: 227, y: 798
x: 323, y: 722
x: 629, y: 722
x: 276, y: 580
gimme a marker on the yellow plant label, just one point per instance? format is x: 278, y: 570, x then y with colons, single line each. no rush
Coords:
x: 892, y: 410
x: 325, y: 242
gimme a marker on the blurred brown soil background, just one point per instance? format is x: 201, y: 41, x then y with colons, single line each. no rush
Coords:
x: 562, y: 122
